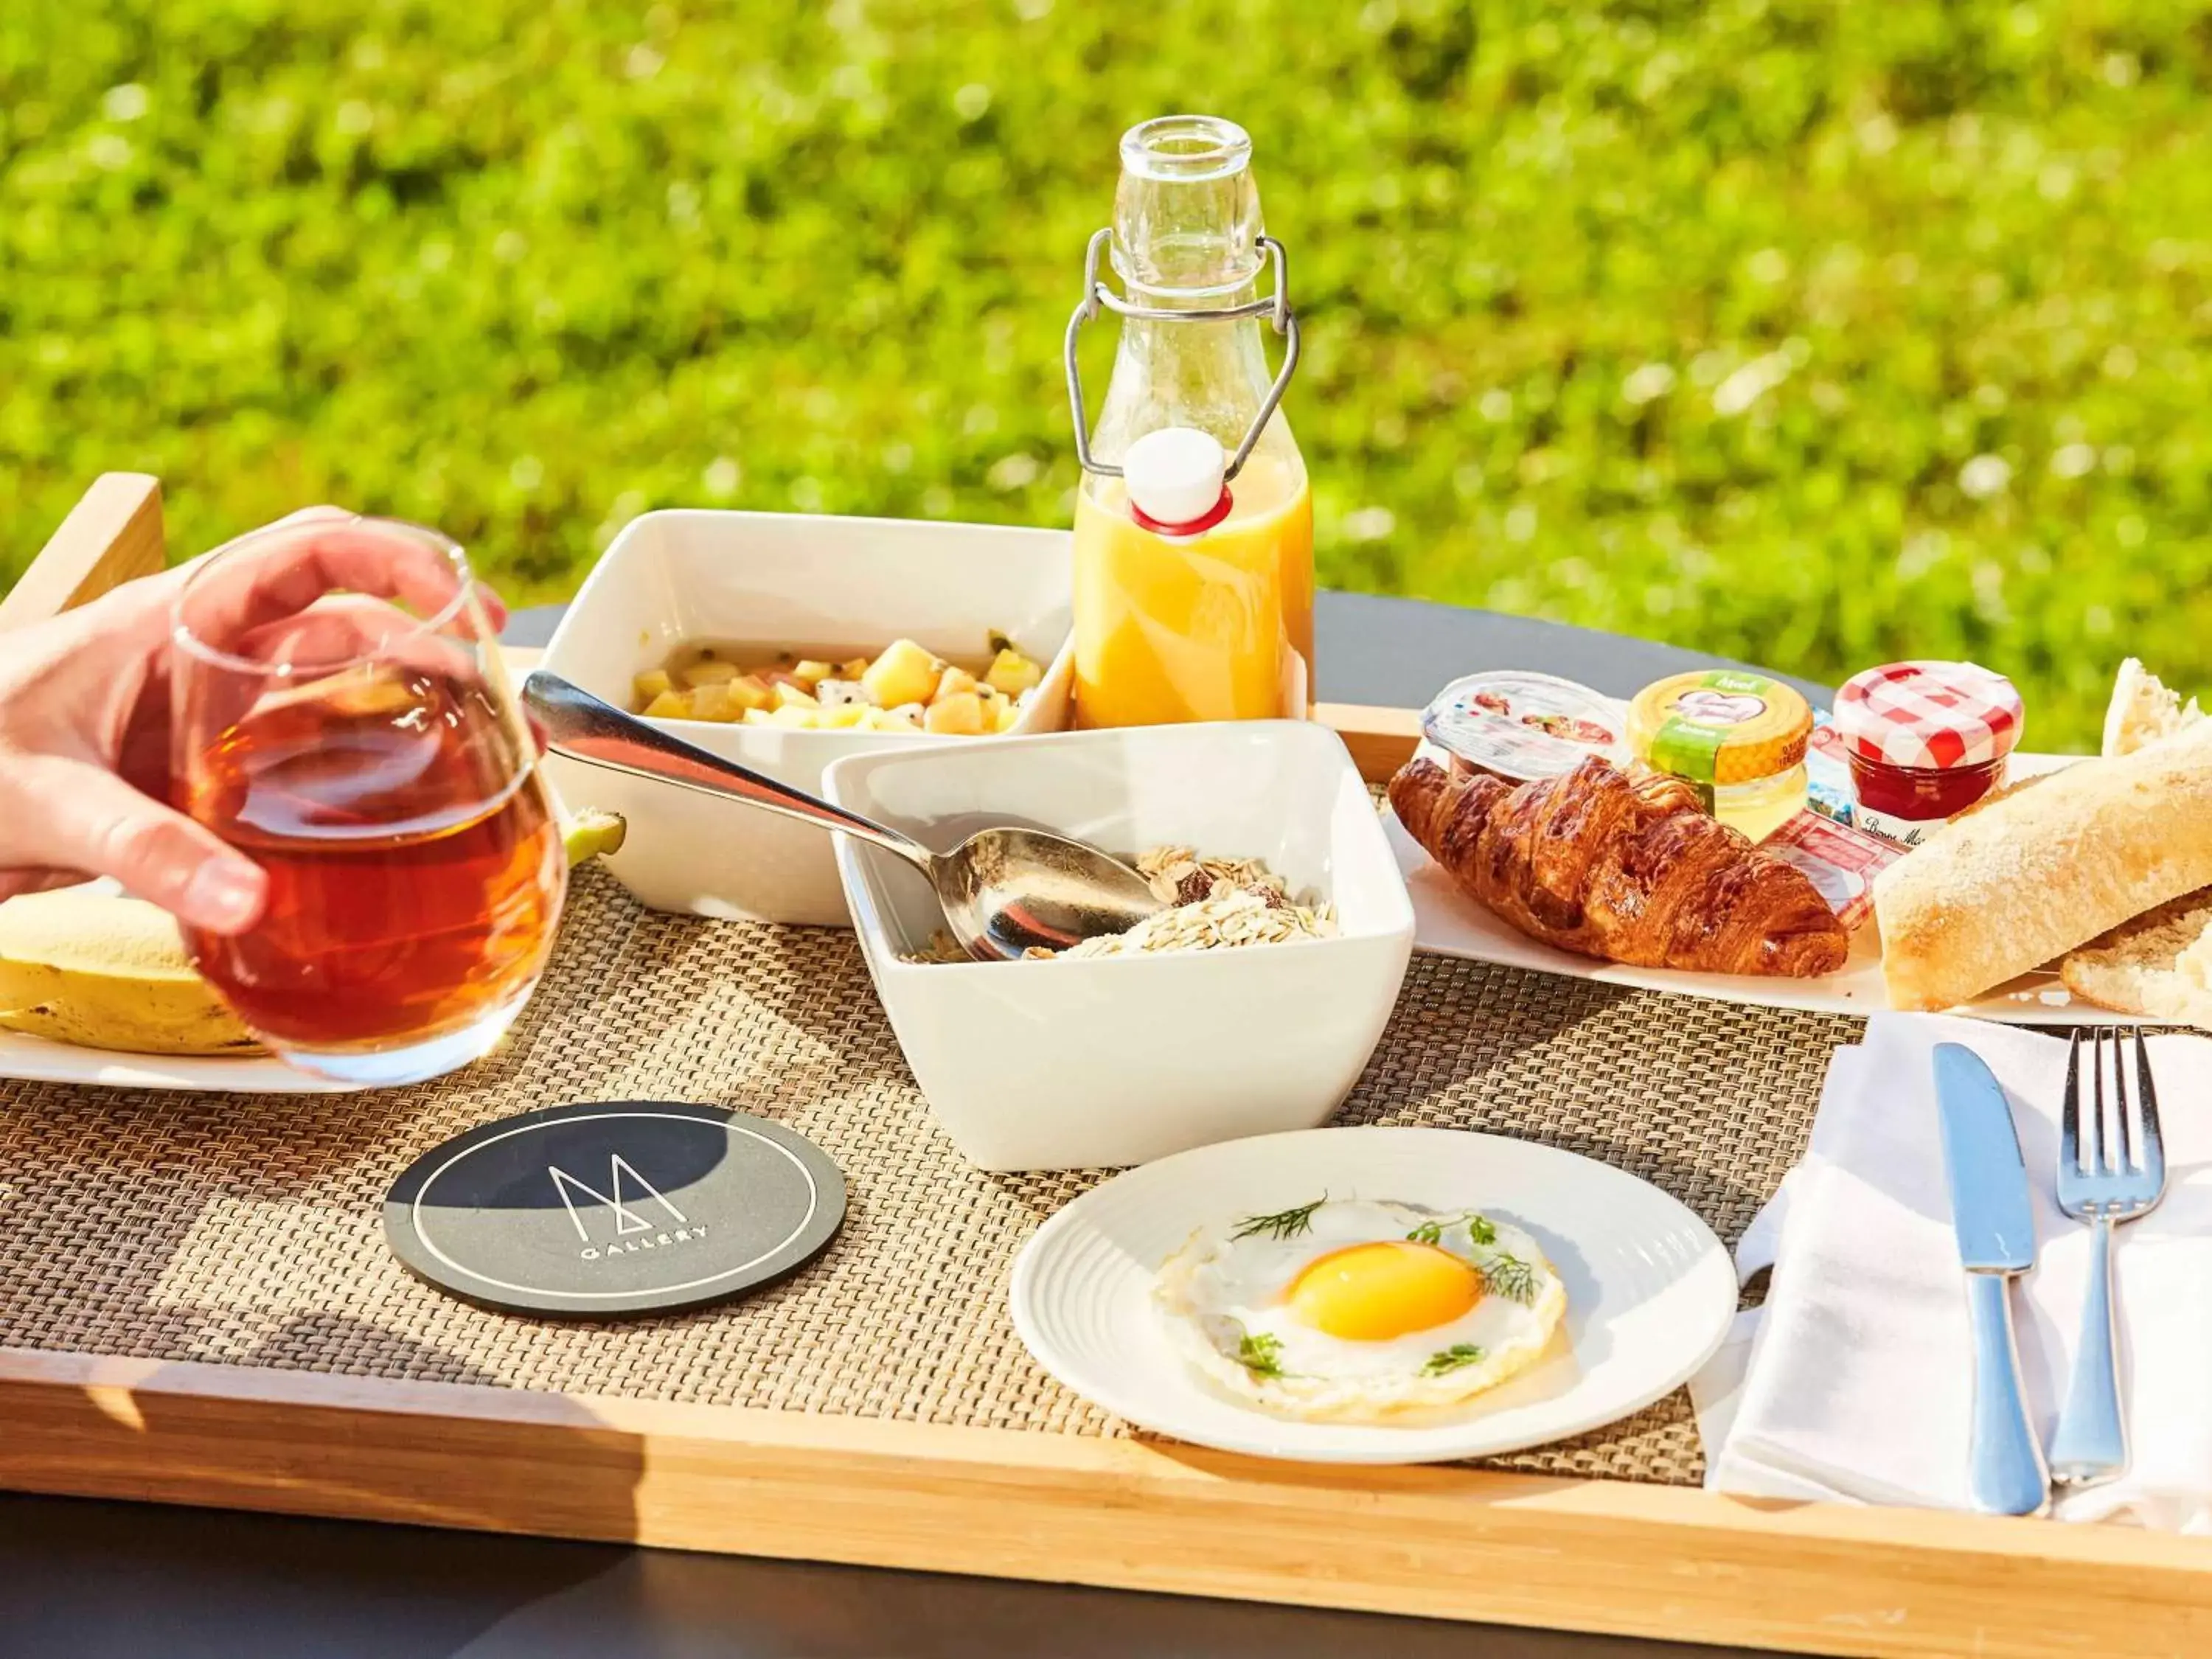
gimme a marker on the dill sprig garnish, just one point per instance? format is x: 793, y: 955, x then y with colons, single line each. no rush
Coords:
x: 1450, y: 1359
x: 1477, y: 1225
x: 1284, y: 1224
x: 1510, y: 1277
x: 1260, y: 1355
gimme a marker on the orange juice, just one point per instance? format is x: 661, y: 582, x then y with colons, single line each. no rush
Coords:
x: 1193, y: 601
x: 1217, y: 626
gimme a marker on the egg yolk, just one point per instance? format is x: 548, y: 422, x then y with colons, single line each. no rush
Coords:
x: 1374, y: 1291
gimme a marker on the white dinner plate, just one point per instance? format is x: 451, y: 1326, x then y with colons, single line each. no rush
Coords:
x: 1650, y: 1291
x: 34, y: 1060
x: 1448, y: 923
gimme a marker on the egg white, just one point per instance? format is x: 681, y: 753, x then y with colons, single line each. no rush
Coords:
x: 1221, y: 1291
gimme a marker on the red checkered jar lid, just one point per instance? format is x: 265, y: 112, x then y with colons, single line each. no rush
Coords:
x: 1932, y: 715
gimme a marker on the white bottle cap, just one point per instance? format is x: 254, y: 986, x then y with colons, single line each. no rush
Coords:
x: 1174, y: 475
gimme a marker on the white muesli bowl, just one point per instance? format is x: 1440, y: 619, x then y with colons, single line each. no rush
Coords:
x: 1090, y: 1062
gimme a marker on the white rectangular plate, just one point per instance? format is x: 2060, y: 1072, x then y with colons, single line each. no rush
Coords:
x: 1448, y: 923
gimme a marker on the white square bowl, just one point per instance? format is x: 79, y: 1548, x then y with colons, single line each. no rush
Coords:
x: 1117, y: 1059
x: 773, y: 580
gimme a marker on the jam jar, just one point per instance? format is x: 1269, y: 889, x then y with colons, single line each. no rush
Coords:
x: 1924, y: 741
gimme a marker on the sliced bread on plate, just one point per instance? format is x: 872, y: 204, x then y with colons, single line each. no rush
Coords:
x: 2159, y: 965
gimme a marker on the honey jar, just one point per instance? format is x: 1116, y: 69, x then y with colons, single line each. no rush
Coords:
x: 1739, y: 736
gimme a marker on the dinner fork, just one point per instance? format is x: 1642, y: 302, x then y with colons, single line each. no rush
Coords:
x: 2101, y: 1182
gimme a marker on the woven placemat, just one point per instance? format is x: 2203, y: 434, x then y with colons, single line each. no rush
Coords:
x: 245, y: 1230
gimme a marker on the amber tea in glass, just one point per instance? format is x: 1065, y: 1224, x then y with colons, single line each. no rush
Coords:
x: 370, y: 758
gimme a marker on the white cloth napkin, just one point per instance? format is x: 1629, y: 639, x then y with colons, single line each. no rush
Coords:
x: 1854, y: 1382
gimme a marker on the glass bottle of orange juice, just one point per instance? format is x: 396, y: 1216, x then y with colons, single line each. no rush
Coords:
x: 1194, y: 526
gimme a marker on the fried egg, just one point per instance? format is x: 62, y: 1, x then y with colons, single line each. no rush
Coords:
x: 1358, y: 1309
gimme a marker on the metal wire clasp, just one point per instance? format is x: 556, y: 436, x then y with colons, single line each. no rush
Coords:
x: 1096, y: 295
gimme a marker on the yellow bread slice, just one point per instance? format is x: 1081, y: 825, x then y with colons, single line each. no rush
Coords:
x: 88, y: 966
x: 95, y: 969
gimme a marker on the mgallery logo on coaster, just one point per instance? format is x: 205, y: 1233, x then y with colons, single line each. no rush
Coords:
x: 627, y: 1207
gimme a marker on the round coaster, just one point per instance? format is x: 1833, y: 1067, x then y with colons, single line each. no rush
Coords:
x: 613, y: 1209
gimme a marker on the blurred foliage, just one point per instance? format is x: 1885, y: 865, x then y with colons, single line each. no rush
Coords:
x: 1815, y: 334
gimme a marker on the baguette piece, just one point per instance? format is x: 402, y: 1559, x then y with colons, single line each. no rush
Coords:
x: 2159, y: 965
x: 1998, y: 892
x: 2144, y: 711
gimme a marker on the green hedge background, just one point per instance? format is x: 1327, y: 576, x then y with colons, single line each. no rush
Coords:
x: 1816, y: 334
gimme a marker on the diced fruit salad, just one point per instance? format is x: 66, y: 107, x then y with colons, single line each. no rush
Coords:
x: 906, y: 689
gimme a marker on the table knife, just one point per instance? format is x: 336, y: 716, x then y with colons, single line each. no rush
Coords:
x: 1996, y: 1227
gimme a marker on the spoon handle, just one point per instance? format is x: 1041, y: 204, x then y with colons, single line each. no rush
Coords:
x: 579, y: 726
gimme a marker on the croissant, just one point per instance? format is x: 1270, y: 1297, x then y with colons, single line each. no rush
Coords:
x: 1626, y: 872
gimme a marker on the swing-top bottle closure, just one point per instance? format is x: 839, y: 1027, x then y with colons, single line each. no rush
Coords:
x: 1178, y: 481
x: 1178, y: 477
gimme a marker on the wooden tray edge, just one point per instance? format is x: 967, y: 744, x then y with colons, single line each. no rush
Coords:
x: 112, y: 535
x: 1453, y: 1543
x: 1441, y: 1543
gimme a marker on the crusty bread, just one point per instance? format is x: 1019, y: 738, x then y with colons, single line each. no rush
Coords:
x: 2143, y: 711
x: 2159, y: 964
x: 1996, y: 893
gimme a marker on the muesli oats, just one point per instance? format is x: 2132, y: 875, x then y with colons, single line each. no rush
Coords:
x: 1214, y: 904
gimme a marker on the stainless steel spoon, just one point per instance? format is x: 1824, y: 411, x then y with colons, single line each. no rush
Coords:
x: 1004, y: 891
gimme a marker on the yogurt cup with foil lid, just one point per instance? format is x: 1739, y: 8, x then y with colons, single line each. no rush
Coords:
x: 1522, y: 727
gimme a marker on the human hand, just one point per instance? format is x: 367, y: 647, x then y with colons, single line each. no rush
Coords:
x: 85, y: 743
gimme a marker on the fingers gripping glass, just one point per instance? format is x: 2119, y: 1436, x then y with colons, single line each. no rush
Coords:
x: 341, y: 716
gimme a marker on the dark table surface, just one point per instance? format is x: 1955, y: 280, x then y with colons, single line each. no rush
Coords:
x: 1396, y: 653
x: 92, y: 1580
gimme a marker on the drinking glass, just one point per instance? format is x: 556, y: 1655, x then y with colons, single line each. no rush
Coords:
x: 341, y: 716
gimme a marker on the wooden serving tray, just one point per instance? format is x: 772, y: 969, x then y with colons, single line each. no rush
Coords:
x: 1041, y: 1503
